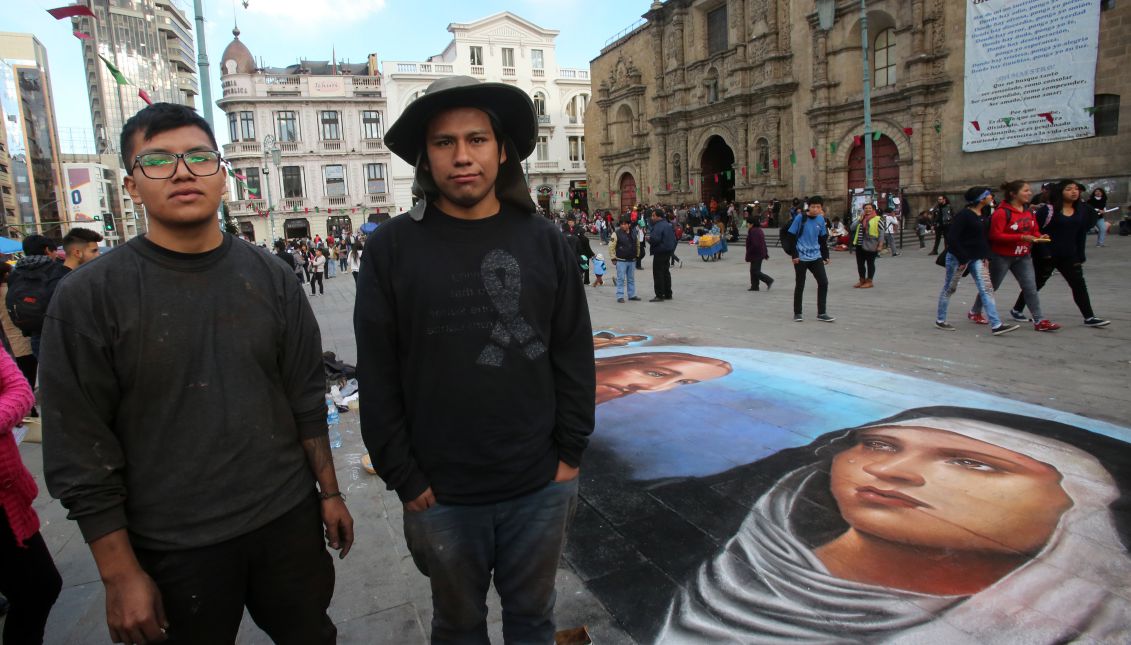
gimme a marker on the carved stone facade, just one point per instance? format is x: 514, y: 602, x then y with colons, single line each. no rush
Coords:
x: 786, y: 99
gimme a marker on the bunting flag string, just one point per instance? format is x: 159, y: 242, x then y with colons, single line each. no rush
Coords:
x: 813, y: 152
x: 792, y: 158
x: 977, y: 126
x: 1047, y: 116
x: 938, y: 128
x: 1008, y: 120
x: 857, y: 139
x: 81, y: 35
x: 115, y: 72
x: 775, y: 162
x: 833, y: 146
x: 877, y: 135
x: 70, y: 11
x: 1090, y: 110
x: 143, y: 95
x: 909, y: 131
x: 744, y: 171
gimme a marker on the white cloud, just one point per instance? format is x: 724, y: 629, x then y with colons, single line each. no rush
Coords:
x: 302, y: 13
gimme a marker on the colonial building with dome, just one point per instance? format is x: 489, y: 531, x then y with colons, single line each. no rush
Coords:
x: 326, y: 120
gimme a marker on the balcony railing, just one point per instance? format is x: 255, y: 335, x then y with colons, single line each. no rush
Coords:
x: 477, y: 70
x: 546, y: 165
x: 289, y: 146
x: 283, y: 84
x: 294, y: 202
x: 538, y: 73
x: 331, y: 146
x: 544, y: 119
x: 247, y: 205
x: 340, y: 200
x: 579, y: 74
x: 241, y: 148
x: 367, y: 85
x: 423, y: 68
x: 377, y: 198
x: 508, y: 71
x: 374, y: 144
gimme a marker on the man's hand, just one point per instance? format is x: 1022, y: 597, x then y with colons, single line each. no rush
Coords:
x: 339, y: 525
x: 829, y: 260
x: 566, y: 472
x: 134, y: 611
x: 797, y: 260
x: 426, y: 501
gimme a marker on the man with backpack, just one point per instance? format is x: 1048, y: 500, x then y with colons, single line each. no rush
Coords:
x: 31, y: 286
x: 806, y: 241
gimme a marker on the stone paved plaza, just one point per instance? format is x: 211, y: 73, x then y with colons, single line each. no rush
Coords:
x: 627, y: 547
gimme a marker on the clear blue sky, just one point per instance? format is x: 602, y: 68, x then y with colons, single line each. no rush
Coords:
x: 281, y: 31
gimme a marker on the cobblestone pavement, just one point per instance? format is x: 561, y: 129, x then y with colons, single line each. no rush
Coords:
x: 380, y: 597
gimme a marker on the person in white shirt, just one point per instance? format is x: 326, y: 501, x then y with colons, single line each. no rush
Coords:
x: 891, y: 228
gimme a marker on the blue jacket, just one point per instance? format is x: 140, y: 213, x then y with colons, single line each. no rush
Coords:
x: 662, y: 238
x: 812, y: 238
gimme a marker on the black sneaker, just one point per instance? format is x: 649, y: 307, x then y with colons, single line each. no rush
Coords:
x: 1004, y: 329
x: 620, y: 299
x: 635, y: 298
x: 656, y: 299
x: 944, y: 325
x: 797, y: 318
x: 825, y: 318
x: 1019, y: 316
x: 1096, y: 322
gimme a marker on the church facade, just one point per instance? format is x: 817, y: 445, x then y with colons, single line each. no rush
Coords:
x: 752, y: 100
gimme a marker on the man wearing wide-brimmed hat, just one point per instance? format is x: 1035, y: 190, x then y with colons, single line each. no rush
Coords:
x: 475, y: 363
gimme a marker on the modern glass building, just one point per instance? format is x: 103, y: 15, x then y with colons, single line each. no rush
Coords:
x: 32, y: 140
x: 151, y: 42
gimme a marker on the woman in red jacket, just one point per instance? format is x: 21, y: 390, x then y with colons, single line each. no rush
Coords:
x: 28, y: 578
x: 1013, y: 231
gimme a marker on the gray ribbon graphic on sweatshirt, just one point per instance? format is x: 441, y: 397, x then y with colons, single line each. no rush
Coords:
x: 502, y: 278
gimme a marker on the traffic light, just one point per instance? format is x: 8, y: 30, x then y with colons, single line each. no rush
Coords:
x: 108, y: 223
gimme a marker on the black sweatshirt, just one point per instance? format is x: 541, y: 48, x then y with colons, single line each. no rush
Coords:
x: 967, y: 238
x: 475, y: 355
x: 176, y: 389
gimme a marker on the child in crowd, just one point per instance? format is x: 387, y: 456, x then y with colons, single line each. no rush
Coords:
x: 599, y: 270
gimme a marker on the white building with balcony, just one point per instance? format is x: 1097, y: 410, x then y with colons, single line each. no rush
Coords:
x: 327, y: 119
x: 505, y: 48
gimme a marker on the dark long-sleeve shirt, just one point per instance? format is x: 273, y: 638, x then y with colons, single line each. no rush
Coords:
x: 475, y: 355
x: 661, y: 238
x: 967, y: 238
x: 176, y: 390
x: 1069, y: 235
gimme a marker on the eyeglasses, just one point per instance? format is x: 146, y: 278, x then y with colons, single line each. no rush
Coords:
x: 163, y: 165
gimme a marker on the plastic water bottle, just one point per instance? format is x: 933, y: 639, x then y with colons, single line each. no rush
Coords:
x: 332, y: 421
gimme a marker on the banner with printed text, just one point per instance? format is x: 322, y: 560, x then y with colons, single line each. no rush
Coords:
x: 1030, y: 72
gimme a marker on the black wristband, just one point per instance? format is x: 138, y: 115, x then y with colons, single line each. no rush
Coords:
x: 326, y: 496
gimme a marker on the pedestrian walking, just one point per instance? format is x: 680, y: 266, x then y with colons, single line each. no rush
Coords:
x: 942, y: 213
x: 891, y: 231
x: 599, y: 269
x: 189, y: 457
x: 481, y: 433
x: 28, y: 577
x: 661, y: 241
x: 317, y: 267
x: 1013, y: 232
x: 1066, y: 221
x: 330, y: 256
x: 968, y: 248
x: 355, y: 260
x: 756, y: 253
x: 1098, y: 202
x: 624, y: 259
x: 868, y: 243
x: 921, y: 227
x: 811, y: 254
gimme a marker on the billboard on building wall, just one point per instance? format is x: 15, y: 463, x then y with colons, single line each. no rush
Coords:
x: 1030, y: 72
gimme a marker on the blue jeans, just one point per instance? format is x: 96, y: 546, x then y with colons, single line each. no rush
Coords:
x: 979, y: 270
x: 520, y: 540
x: 626, y: 274
x: 1101, y: 229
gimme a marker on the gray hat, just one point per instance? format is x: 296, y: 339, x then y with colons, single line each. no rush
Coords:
x: 511, y: 108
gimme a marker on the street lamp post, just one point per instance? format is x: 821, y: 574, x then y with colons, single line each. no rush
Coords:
x: 270, y: 152
x: 826, y: 17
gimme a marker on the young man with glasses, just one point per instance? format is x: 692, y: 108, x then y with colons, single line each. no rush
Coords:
x: 184, y: 416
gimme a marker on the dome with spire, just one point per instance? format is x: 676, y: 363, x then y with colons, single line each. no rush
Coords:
x: 237, y: 58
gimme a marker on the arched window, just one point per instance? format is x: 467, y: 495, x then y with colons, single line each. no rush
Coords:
x: 540, y: 104
x: 623, y: 131
x: 885, y: 58
x: 575, y: 109
x: 763, y: 148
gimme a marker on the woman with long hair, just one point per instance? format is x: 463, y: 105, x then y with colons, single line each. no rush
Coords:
x: 355, y: 260
x: 1066, y: 222
x: 869, y: 241
x: 1013, y: 232
x: 1098, y: 201
x: 28, y: 577
x: 937, y: 525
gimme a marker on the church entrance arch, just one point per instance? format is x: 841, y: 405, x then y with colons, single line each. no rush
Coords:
x: 885, y: 165
x: 717, y: 165
x: 627, y: 192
